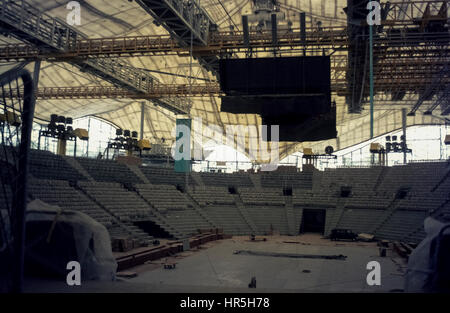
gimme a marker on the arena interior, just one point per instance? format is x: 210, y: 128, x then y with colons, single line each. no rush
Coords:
x: 98, y: 168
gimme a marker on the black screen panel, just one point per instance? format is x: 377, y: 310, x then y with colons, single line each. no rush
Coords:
x: 262, y: 76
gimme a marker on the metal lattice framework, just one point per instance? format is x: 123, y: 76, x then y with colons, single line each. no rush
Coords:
x: 409, y: 53
x: 408, y: 56
x: 24, y: 21
x: 187, y: 22
x: 16, y: 120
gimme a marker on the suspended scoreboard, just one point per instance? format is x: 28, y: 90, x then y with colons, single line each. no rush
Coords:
x: 292, y: 92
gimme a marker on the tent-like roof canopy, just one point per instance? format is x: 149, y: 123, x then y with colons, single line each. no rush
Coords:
x: 101, y: 18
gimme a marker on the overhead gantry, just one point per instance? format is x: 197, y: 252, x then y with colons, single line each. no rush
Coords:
x: 411, y: 49
x: 187, y: 22
x: 23, y: 21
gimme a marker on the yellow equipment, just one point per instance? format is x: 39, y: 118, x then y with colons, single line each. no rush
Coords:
x: 307, y: 151
x: 11, y: 118
x: 81, y: 133
x: 375, y: 147
x: 447, y: 140
x: 144, y: 144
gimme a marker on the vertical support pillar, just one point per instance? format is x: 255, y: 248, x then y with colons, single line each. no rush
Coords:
x: 39, y: 139
x: 19, y: 203
x: 141, y: 133
x: 61, y: 147
x: 274, y: 30
x: 303, y: 29
x: 89, y: 130
x: 371, y: 82
x: 371, y: 78
x: 404, y: 134
x: 245, y: 30
x: 36, y: 72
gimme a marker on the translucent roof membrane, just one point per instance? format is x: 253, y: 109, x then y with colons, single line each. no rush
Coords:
x: 101, y: 18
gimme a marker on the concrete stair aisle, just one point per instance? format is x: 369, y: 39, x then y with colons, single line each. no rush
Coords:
x: 330, y: 221
x: 240, y: 206
x: 135, y: 169
x: 130, y: 229
x: 144, y: 238
x: 117, y: 231
x: 419, y: 233
x: 415, y: 236
x: 442, y: 180
x: 165, y: 225
x: 256, y: 180
x: 298, y: 214
x: 136, y: 233
x: 197, y: 179
x: 290, y: 218
x: 439, y: 210
x: 77, y: 166
x: 335, y: 216
x: 162, y: 222
x: 199, y: 210
x: 380, y: 178
x: 121, y: 231
x: 385, y: 217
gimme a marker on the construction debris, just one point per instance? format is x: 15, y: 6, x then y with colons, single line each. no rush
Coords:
x: 290, y: 255
x: 126, y: 274
x: 252, y: 283
x: 298, y: 242
x: 170, y: 265
x: 366, y: 237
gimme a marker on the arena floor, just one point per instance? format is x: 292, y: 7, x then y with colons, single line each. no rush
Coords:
x: 216, y: 268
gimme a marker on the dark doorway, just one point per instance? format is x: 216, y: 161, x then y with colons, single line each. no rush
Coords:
x: 313, y: 221
x: 287, y: 191
x: 180, y: 188
x: 152, y: 229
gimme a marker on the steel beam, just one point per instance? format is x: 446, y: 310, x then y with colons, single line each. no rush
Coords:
x: 200, y: 90
x: 183, y: 19
x: 25, y: 22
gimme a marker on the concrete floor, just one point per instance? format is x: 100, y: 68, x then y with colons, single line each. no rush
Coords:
x: 214, y: 268
x: 217, y: 266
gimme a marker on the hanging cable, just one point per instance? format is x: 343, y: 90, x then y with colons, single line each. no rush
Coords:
x: 228, y: 14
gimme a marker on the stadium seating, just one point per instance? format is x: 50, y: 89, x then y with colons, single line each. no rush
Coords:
x: 284, y: 180
x: 265, y: 196
x: 229, y: 219
x: 60, y: 193
x: 46, y: 165
x: 359, y: 221
x: 166, y: 176
x: 125, y: 205
x: 400, y: 223
x: 108, y: 171
x: 211, y: 195
x: 301, y: 197
x: 118, y: 198
x: 163, y: 197
x: 227, y: 180
x: 174, y: 207
x: 269, y: 218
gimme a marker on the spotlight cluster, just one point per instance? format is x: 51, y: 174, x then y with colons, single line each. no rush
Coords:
x: 60, y: 127
x: 125, y: 139
x: 393, y: 145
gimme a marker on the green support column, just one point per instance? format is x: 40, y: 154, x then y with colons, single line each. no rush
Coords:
x: 371, y: 78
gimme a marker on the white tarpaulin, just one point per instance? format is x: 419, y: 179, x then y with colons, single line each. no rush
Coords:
x: 421, y: 263
x: 70, y: 230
